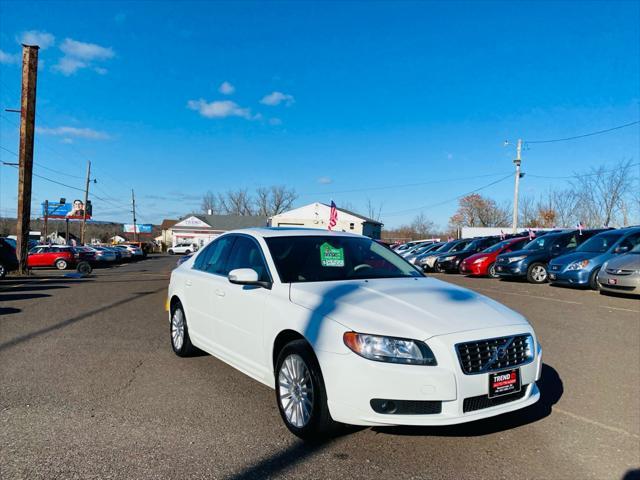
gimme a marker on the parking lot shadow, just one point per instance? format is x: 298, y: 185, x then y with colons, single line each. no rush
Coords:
x: 632, y: 475
x: 551, y: 391
x: 8, y: 310
x: 12, y: 297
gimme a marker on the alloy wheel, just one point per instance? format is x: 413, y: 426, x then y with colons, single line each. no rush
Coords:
x: 177, y: 329
x: 295, y: 391
x: 539, y: 273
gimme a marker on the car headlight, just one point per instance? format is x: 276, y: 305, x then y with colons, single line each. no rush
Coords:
x: 605, y: 265
x: 578, y: 265
x: 479, y: 260
x: 390, y: 349
x: 516, y: 259
x: 446, y: 259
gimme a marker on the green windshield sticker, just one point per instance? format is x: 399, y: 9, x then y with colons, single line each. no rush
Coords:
x: 330, y: 256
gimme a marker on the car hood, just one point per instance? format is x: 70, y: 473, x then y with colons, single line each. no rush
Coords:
x: 628, y: 261
x: 417, y: 308
x: 478, y: 255
x: 576, y: 257
x: 527, y: 253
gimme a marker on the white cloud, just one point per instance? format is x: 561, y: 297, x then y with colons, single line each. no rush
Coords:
x: 220, y: 109
x: 226, y: 88
x: 8, y: 58
x: 86, y: 51
x: 33, y: 37
x: 79, y: 55
x: 67, y: 132
x: 325, y: 180
x: 276, y: 98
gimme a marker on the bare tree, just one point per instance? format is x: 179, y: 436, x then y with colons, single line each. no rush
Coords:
x: 563, y: 203
x: 373, y: 212
x: 274, y: 200
x: 421, y: 226
x: 601, y: 193
x: 210, y: 203
x: 236, y: 202
x: 527, y: 212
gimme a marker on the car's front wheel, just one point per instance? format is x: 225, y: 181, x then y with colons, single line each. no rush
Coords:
x: 3, y: 271
x: 300, y: 392
x: 593, y: 279
x: 537, y: 273
x: 170, y: 252
x: 491, y: 271
x: 180, y: 340
x: 61, y: 264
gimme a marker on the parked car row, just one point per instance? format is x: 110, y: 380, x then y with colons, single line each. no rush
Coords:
x: 599, y: 259
x: 63, y: 257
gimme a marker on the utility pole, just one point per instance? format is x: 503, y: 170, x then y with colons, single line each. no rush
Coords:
x: 25, y: 165
x: 517, y: 163
x: 133, y: 204
x: 46, y: 217
x: 86, y: 199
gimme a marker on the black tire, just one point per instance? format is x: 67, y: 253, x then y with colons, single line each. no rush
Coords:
x: 320, y: 424
x: 61, y: 264
x: 170, y: 252
x: 491, y: 271
x: 3, y: 271
x: 187, y: 252
x: 184, y: 348
x: 593, y: 280
x: 84, y: 268
x: 535, y: 275
x: 439, y: 268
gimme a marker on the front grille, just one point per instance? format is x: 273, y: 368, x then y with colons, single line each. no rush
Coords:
x: 617, y: 271
x: 494, y: 354
x: 483, y: 401
x: 406, y: 407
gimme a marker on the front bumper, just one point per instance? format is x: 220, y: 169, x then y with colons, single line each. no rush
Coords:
x: 629, y: 284
x: 352, y: 382
x: 516, y: 269
x: 475, y: 269
x: 569, y: 277
x: 448, y: 266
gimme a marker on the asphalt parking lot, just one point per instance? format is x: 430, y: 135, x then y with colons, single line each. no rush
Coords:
x: 91, y: 389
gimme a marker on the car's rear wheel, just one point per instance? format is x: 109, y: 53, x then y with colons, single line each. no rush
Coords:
x: 180, y: 340
x: 593, y: 280
x: 61, y: 264
x: 187, y: 252
x: 537, y: 273
x: 300, y: 392
x: 84, y: 268
x: 491, y: 271
x: 3, y: 271
x: 170, y: 252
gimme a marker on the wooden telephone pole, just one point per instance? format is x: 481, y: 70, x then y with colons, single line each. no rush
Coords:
x: 86, y: 199
x: 133, y: 210
x: 25, y: 165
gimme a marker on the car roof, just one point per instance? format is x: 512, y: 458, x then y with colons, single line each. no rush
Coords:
x: 270, y: 232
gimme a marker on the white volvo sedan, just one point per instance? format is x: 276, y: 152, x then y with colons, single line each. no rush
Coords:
x: 346, y: 331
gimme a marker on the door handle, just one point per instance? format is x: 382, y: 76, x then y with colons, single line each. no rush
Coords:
x: 188, y: 283
x: 220, y: 293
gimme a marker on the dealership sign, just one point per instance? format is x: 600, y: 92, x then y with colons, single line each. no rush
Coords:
x: 72, y: 211
x: 137, y: 228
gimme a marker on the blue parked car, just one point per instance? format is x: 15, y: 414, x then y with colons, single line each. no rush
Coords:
x: 532, y: 261
x: 581, y: 267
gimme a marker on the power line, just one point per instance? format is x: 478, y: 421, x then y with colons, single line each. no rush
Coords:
x: 569, y: 177
x: 430, y: 182
x: 584, y: 135
x: 402, y: 212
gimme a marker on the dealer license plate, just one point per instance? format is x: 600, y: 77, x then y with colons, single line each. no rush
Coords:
x: 504, y: 383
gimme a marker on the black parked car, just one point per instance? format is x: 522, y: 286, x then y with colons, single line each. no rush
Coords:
x: 451, y: 262
x: 8, y: 259
x: 531, y: 262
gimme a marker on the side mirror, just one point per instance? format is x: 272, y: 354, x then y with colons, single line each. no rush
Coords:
x: 247, y: 276
x: 621, y: 249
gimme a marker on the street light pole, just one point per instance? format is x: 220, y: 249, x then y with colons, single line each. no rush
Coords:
x: 517, y: 162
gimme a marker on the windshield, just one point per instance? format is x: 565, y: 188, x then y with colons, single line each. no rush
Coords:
x: 541, y: 243
x: 497, y: 246
x: 460, y: 246
x: 475, y: 245
x: 330, y: 258
x: 600, y: 243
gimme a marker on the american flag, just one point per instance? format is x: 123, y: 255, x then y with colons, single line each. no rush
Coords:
x: 580, y: 227
x: 532, y: 234
x: 333, y: 216
x: 502, y: 236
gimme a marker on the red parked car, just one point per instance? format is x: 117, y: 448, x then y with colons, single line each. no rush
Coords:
x: 61, y: 257
x: 482, y: 264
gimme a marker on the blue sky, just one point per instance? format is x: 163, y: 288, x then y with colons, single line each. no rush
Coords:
x: 326, y: 97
